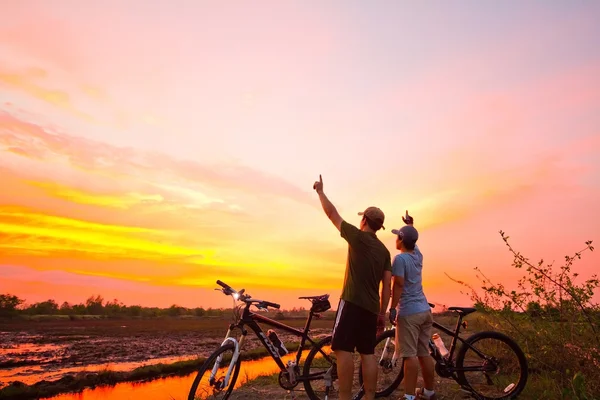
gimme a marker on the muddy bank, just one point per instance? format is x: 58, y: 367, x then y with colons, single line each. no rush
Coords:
x: 32, y: 351
x: 78, y: 382
x: 53, y: 357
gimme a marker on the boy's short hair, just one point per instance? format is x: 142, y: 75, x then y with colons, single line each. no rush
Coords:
x: 409, y: 236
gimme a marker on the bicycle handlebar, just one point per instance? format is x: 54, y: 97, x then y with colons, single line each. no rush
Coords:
x: 269, y: 304
x: 228, y: 290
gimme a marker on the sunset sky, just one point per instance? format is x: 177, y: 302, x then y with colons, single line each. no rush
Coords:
x: 149, y: 148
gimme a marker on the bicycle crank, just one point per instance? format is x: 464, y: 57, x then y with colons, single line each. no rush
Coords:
x: 284, y: 381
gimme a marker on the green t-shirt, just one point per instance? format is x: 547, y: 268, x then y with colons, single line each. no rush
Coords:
x: 367, y: 259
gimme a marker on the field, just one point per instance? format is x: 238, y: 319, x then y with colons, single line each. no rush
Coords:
x: 57, y: 349
x: 48, y: 356
x: 53, y: 355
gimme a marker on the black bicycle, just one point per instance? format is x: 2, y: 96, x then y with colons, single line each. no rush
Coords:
x: 487, y: 365
x: 219, y: 373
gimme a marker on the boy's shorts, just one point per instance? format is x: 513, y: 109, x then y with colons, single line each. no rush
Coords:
x: 414, y: 332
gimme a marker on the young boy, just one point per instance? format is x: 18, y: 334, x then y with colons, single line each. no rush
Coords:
x: 411, y: 313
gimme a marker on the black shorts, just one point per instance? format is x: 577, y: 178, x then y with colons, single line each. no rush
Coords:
x: 354, y: 328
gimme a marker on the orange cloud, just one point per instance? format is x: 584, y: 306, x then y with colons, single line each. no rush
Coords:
x: 125, y: 201
x: 76, y: 200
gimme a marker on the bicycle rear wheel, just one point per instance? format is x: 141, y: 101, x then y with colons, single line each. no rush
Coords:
x: 205, y: 388
x: 320, y: 372
x: 492, y: 365
x: 389, y: 376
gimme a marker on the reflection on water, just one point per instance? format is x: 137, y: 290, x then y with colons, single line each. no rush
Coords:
x: 7, y: 350
x: 34, y: 373
x: 176, y: 388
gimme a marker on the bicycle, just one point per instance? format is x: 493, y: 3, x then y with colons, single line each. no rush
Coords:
x: 222, y: 371
x: 458, y: 368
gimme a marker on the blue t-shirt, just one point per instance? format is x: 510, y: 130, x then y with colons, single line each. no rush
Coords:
x: 410, y: 266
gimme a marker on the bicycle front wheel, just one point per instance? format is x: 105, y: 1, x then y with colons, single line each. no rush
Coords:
x: 206, y: 388
x: 389, y: 376
x: 492, y: 365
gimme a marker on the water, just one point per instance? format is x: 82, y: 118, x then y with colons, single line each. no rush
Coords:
x: 173, y: 388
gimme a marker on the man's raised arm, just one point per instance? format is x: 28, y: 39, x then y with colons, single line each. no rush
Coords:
x: 328, y: 207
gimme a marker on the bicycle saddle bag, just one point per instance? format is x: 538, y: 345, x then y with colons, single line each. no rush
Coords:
x: 320, y: 305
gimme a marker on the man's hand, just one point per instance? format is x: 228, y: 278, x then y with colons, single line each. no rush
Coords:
x: 393, y: 316
x: 318, y: 185
x: 408, y: 220
x: 380, y: 324
x: 329, y: 208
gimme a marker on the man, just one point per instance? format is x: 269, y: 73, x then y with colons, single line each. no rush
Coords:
x: 361, y: 311
x: 411, y: 314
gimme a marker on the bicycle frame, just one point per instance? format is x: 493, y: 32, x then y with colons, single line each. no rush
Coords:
x: 251, y: 320
x: 453, y: 345
x: 455, y: 338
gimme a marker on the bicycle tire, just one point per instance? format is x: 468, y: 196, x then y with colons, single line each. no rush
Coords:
x: 394, y: 385
x: 309, y: 359
x: 460, y: 357
x: 207, y: 367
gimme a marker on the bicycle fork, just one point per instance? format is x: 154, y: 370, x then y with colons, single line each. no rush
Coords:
x: 384, y: 353
x: 234, y: 358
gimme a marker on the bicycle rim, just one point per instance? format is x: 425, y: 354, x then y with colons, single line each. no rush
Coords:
x: 389, y: 376
x: 503, y: 371
x: 320, y: 361
x: 202, y: 388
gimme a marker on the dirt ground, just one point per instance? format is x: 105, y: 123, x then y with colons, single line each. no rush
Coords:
x: 35, y: 350
x: 267, y: 387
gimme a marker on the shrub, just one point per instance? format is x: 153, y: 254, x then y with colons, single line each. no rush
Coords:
x: 553, y: 318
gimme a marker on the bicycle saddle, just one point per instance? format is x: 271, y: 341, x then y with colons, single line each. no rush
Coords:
x: 463, y: 310
x: 317, y: 298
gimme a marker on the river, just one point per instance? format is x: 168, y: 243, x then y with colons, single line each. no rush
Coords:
x: 173, y: 388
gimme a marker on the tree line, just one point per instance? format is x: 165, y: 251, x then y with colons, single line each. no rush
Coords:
x: 13, y: 306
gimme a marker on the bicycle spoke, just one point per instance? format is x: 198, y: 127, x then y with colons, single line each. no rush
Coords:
x: 217, y: 386
x: 496, y: 374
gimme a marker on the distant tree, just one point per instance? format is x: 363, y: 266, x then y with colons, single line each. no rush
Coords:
x: 199, y: 312
x: 9, y: 304
x: 134, y: 311
x: 94, y: 305
x: 175, y: 310
x: 114, y: 307
x: 79, y: 309
x: 48, y: 307
x: 65, y: 308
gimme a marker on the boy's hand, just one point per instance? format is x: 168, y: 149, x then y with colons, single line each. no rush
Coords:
x: 393, y: 316
x: 318, y: 185
x: 408, y: 220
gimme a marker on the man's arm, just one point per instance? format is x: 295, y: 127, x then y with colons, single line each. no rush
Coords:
x: 328, y: 207
x: 385, y: 291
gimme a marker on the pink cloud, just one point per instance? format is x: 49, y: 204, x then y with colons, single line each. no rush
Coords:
x: 34, y: 141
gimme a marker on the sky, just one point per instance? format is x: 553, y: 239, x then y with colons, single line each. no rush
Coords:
x: 148, y: 149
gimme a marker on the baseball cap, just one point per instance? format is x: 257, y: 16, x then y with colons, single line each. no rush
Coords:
x: 374, y: 214
x: 407, y: 233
